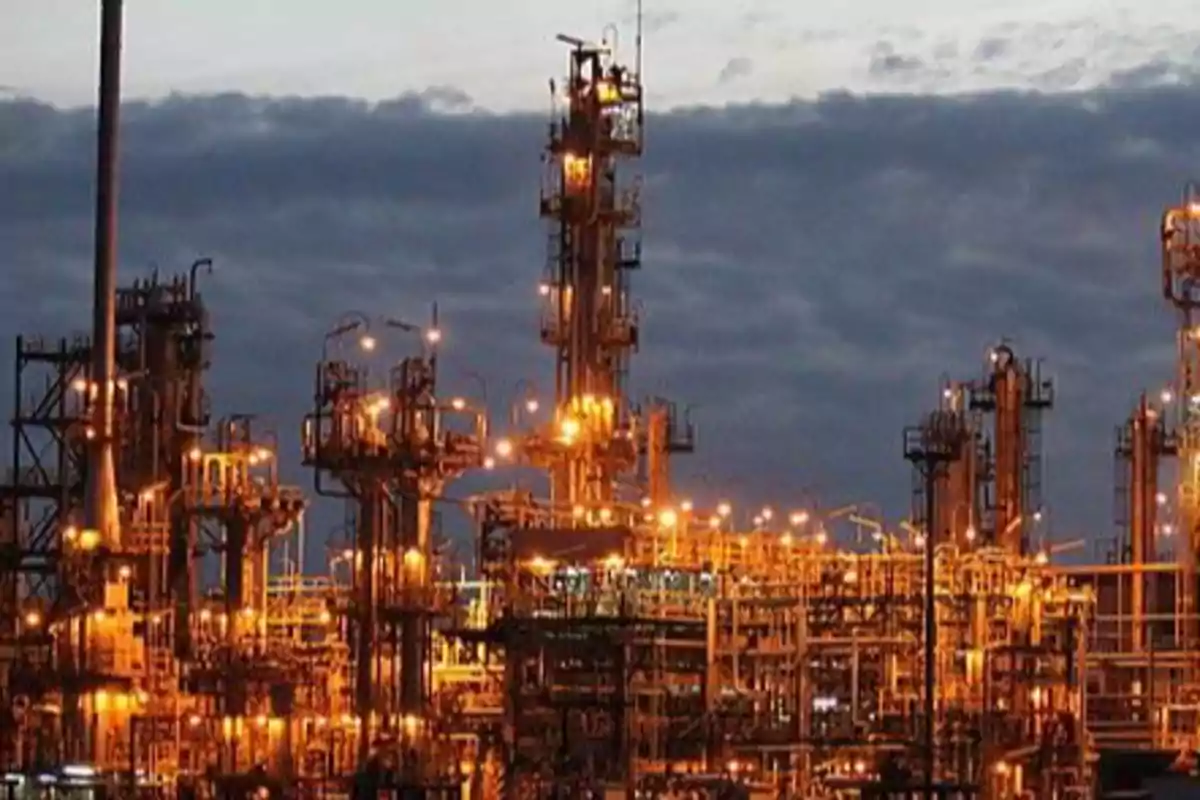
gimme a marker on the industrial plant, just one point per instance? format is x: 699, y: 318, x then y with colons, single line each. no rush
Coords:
x: 609, y: 637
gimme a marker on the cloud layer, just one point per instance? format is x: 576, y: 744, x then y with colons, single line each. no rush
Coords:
x: 812, y: 270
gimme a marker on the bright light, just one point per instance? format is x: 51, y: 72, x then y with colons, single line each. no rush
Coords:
x: 786, y: 540
x: 668, y: 518
x: 822, y: 538
x: 80, y: 385
x: 489, y: 463
x: 971, y: 533
x: 606, y: 515
x: 714, y: 522
x: 532, y: 405
x: 125, y: 572
x: 458, y: 404
x: 1041, y: 559
x: 33, y: 619
x: 367, y: 343
x: 89, y: 539
x: 1167, y: 396
x: 578, y: 511
x: 724, y: 509
x: 1161, y: 498
x: 614, y: 561
x: 767, y: 513
x: 540, y: 564
x: 504, y: 448
x: 569, y: 429
x: 195, y: 454
x: 544, y: 289
x: 433, y: 335
x: 686, y: 506
x: 1037, y: 516
x: 758, y: 521
x: 798, y: 518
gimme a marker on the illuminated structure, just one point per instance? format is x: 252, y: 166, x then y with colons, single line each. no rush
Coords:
x: 618, y: 638
x: 392, y: 444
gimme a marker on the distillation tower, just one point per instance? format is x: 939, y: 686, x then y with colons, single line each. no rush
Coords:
x: 1004, y: 635
x: 388, y: 444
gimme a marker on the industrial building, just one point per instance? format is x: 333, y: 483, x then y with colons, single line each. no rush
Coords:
x: 615, y: 639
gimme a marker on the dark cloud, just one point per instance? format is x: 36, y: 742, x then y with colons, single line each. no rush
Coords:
x: 811, y: 269
x: 735, y: 68
x: 886, y: 62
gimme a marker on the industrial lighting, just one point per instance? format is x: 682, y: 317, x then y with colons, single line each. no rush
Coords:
x: 489, y: 463
x: 1041, y: 559
x: 33, y: 619
x: 786, y: 540
x: 668, y: 518
x: 686, y: 506
x: 1167, y: 396
x: 758, y: 521
x: 578, y: 511
x: 125, y: 572
x: 89, y: 539
x: 458, y: 404
x: 544, y: 289
x: 504, y: 448
x: 606, y: 514
x: 195, y: 454
x: 798, y: 518
x: 80, y: 385
x: 970, y: 533
x: 714, y: 522
x: 767, y: 513
x: 433, y: 335
x: 367, y: 343
x: 822, y: 538
x: 1161, y: 498
x: 569, y: 429
x: 724, y: 509
x: 531, y: 405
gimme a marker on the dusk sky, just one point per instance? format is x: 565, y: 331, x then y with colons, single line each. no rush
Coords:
x: 841, y: 207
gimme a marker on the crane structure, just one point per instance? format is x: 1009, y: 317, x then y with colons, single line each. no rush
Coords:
x: 161, y: 634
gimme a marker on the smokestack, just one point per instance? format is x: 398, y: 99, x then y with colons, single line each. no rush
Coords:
x: 101, y: 512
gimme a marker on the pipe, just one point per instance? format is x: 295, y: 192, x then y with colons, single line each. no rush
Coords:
x: 101, y: 513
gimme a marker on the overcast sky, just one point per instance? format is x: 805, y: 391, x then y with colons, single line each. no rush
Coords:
x: 700, y: 51
x: 813, y: 269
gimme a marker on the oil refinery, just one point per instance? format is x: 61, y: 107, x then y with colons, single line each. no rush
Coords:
x: 609, y: 637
